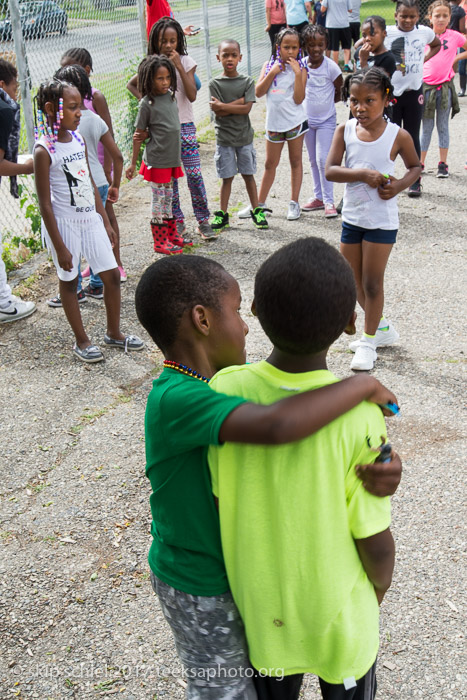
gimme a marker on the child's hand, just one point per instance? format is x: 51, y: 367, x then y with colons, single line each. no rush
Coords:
x: 381, y: 478
x: 216, y: 105
x: 113, y: 193
x: 276, y: 69
x: 28, y: 167
x: 174, y: 56
x: 388, y: 189
x: 374, y: 178
x: 295, y: 65
x: 112, y: 236
x: 141, y: 136
x: 382, y: 396
x: 267, y: 27
x: 65, y: 259
x: 130, y: 171
x: 364, y: 52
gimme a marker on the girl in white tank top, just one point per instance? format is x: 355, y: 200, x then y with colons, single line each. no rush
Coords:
x: 283, y: 81
x: 369, y: 216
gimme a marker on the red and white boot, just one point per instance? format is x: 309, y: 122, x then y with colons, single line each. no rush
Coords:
x: 162, y: 245
x: 174, y: 236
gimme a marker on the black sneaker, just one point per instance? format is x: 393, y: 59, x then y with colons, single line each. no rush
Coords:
x: 259, y: 217
x: 94, y: 292
x: 415, y: 190
x: 442, y: 170
x: 56, y: 302
x: 220, y: 221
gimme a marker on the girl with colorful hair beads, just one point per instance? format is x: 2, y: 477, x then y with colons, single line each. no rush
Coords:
x: 283, y: 81
x: 158, y: 118
x: 73, y: 218
x: 370, y: 217
x: 167, y: 39
x: 439, y: 91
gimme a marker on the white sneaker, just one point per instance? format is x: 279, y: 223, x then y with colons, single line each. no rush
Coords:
x: 245, y: 213
x: 365, y: 356
x: 16, y: 309
x: 294, y: 211
x: 381, y: 338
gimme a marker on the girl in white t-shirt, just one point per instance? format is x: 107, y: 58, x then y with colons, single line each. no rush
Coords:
x: 74, y: 221
x: 323, y: 89
x: 407, y: 41
x: 167, y: 39
x: 369, y: 215
x: 283, y: 81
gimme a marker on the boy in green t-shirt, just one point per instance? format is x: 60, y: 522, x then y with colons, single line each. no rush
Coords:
x: 190, y: 307
x: 232, y: 97
x: 308, y: 552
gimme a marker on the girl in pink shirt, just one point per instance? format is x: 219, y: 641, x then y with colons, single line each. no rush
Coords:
x: 275, y: 19
x: 438, y: 85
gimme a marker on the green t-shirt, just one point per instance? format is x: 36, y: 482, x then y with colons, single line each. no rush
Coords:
x: 289, y: 516
x: 159, y: 115
x: 183, y: 417
x: 234, y: 129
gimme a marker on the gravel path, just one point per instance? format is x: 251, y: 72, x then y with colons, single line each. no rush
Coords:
x: 79, y: 619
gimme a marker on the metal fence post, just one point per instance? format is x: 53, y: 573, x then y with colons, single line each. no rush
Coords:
x: 207, y: 42
x: 142, y: 24
x: 23, y: 71
x: 248, y: 36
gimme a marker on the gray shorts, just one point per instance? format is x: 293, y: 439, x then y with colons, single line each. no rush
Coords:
x: 230, y: 160
x: 210, y: 642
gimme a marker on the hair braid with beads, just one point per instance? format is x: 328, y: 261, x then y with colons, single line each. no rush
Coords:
x: 147, y: 70
x: 276, y: 54
x: 157, y: 32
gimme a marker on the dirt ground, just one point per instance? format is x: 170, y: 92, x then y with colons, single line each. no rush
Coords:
x: 79, y: 619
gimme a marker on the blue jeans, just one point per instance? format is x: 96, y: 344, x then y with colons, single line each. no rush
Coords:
x: 95, y: 280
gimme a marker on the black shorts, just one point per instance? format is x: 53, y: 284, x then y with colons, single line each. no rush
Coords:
x: 355, y: 31
x: 298, y: 27
x: 341, y: 36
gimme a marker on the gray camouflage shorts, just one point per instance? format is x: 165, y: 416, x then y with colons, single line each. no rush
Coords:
x: 210, y: 642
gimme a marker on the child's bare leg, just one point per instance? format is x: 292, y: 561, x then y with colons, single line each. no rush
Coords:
x: 72, y: 312
x: 273, y: 156
x: 111, y: 280
x: 226, y: 189
x: 374, y: 260
x: 250, y: 184
x: 352, y: 252
x: 114, y: 223
x: 296, y: 166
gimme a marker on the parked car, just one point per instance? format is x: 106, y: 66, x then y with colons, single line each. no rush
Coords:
x: 37, y: 19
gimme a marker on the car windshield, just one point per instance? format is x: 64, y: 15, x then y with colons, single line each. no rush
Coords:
x: 30, y: 8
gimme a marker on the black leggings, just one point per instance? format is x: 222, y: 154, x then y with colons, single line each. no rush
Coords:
x: 288, y: 688
x: 408, y: 112
x: 273, y: 32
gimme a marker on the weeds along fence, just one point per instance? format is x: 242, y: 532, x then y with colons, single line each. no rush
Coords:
x: 34, y: 34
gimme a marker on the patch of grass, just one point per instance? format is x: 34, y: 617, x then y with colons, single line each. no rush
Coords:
x: 383, y: 8
x: 208, y: 135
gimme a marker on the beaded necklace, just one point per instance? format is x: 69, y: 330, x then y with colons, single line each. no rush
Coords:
x: 183, y: 369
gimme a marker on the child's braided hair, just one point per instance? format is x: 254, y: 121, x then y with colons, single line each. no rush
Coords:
x: 311, y: 31
x: 44, y: 124
x: 148, y: 68
x: 77, y: 76
x: 157, y: 32
x: 407, y: 3
x: 80, y: 56
x: 373, y: 20
x: 374, y: 77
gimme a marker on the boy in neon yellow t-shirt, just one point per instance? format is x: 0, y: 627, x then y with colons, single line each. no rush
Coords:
x: 308, y: 552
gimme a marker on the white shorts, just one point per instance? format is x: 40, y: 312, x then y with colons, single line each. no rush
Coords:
x: 86, y: 237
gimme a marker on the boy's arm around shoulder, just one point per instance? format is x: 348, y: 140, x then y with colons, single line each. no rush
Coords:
x: 298, y: 416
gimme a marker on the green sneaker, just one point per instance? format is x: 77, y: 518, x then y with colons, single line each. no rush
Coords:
x: 220, y: 221
x: 259, y: 217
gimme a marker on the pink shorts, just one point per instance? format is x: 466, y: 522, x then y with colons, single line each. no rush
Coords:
x: 160, y: 175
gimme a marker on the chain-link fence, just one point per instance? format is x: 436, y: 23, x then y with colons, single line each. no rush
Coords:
x: 34, y: 34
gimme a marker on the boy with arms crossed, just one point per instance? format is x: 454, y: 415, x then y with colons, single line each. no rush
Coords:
x: 197, y: 325
x: 232, y: 96
x: 308, y: 552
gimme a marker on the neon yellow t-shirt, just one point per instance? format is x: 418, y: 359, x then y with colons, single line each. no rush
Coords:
x: 289, y: 516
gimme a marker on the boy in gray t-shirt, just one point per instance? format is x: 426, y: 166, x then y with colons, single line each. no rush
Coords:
x: 232, y: 96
